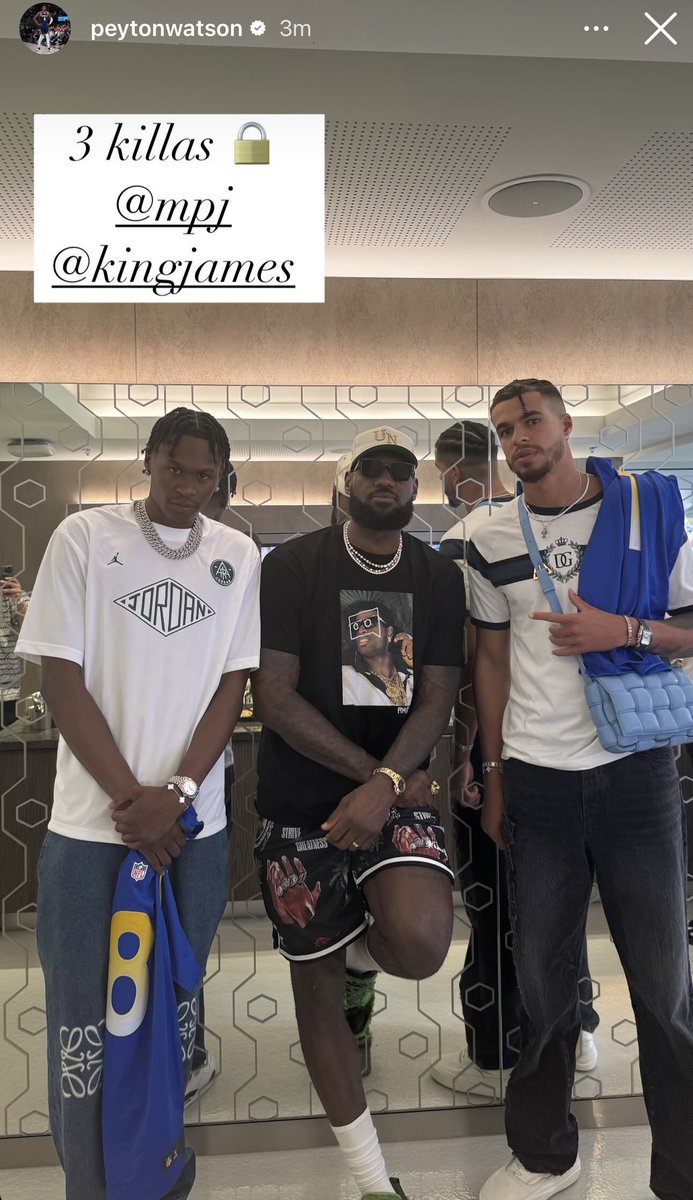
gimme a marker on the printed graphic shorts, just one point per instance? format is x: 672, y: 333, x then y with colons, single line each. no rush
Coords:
x: 313, y: 891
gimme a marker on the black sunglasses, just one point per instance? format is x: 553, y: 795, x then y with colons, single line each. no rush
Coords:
x: 373, y: 468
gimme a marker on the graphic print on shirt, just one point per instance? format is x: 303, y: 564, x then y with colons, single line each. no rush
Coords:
x: 166, y: 606
x: 563, y: 558
x: 377, y: 649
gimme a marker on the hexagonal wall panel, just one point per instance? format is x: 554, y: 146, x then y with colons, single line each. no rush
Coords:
x: 262, y: 1008
x: 480, y: 1093
x: 27, y: 394
x: 479, y: 997
x: 613, y: 437
x: 73, y: 438
x: 583, y: 990
x: 255, y: 394
x: 263, y: 1109
x: 586, y: 1087
x: 28, y: 908
x: 363, y: 396
x: 34, y: 1122
x: 256, y: 492
x: 296, y: 1054
x: 296, y: 438
x: 29, y: 493
x: 465, y: 395
x: 624, y: 1032
x: 32, y: 1020
x: 32, y: 813
x: 477, y: 897
x: 143, y: 393
x: 678, y: 393
x: 413, y: 1045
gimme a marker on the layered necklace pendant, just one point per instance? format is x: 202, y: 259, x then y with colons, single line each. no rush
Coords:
x: 367, y: 564
x: 544, y: 522
x: 189, y: 546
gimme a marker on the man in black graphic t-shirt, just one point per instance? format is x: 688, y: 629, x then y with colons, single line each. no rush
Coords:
x: 362, y: 645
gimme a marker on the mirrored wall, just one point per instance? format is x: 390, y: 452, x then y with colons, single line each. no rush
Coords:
x: 66, y: 446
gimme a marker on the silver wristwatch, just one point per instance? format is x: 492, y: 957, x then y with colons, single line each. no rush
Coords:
x: 186, y: 787
x: 644, y: 638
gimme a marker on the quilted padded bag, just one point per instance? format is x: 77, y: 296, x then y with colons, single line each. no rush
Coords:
x: 641, y: 712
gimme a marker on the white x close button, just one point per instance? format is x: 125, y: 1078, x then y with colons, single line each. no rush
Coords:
x: 661, y: 28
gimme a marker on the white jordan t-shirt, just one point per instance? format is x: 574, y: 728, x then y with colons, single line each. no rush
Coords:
x: 153, y: 636
x: 547, y: 720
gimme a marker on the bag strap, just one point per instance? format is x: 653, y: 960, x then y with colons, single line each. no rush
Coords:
x: 541, y: 571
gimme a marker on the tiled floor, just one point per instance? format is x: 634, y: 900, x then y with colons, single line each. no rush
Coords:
x: 615, y: 1167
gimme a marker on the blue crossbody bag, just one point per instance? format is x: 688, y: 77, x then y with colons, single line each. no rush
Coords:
x: 631, y: 712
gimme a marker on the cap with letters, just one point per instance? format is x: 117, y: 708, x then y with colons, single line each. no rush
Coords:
x: 383, y: 437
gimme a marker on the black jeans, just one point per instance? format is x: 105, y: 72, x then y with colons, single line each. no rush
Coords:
x: 624, y: 823
x: 488, y: 975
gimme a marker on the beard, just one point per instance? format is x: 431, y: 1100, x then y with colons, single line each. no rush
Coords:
x: 370, y: 518
x: 532, y: 474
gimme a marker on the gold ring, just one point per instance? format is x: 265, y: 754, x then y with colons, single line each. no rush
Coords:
x: 435, y: 787
x: 355, y: 845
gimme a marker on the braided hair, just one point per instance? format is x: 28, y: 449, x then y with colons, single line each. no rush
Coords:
x: 168, y: 431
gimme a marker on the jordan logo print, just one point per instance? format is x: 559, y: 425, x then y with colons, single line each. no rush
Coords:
x: 166, y: 606
x: 115, y: 559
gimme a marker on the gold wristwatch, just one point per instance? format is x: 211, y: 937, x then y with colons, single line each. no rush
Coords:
x: 399, y: 783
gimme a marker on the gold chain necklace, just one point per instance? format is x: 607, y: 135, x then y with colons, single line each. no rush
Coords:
x: 395, y: 687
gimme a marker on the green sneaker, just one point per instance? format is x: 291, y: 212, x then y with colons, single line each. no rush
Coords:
x: 395, y: 1194
x: 359, y: 998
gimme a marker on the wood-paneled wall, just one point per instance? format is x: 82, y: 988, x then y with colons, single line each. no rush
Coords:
x: 384, y: 331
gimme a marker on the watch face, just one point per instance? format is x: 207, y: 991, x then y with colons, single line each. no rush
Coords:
x: 399, y: 786
x: 188, y: 788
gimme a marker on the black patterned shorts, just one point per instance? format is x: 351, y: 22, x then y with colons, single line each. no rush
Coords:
x: 312, y: 890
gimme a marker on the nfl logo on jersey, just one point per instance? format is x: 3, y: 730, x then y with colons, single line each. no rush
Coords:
x: 139, y: 871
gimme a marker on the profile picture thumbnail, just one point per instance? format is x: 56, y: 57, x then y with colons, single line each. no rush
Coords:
x: 45, y: 28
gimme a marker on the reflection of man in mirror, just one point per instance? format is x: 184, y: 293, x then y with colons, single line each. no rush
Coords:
x: 569, y: 810
x: 382, y: 660
x: 143, y: 668
x: 362, y: 644
x: 13, y: 605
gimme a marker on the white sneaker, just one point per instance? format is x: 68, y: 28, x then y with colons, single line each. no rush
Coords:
x: 458, y: 1073
x: 515, y: 1183
x: 201, y: 1080
x: 586, y: 1053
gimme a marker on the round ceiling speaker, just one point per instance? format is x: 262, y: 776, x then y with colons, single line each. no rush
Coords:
x: 536, y: 196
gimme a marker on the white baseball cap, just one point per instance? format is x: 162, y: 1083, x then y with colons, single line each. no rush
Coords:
x: 343, y: 465
x: 383, y: 437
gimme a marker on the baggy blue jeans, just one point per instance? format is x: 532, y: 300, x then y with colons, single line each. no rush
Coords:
x: 75, y: 895
x: 623, y: 823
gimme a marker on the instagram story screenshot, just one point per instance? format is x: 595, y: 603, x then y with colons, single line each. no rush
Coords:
x: 346, y: 523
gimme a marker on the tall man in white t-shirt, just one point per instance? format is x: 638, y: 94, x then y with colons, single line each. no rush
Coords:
x: 466, y: 454
x: 566, y: 810
x: 145, y: 619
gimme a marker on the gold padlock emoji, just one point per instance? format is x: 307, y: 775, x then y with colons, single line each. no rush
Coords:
x: 252, y: 150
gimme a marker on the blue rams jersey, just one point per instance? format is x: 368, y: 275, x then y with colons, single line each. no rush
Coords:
x: 143, y: 1082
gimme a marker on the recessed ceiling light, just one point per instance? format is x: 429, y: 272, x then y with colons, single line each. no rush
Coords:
x: 536, y: 196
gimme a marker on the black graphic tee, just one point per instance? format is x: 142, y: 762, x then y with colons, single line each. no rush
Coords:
x: 361, y: 640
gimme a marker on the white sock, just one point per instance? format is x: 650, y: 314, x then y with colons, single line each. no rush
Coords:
x: 361, y: 1149
x: 359, y: 957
